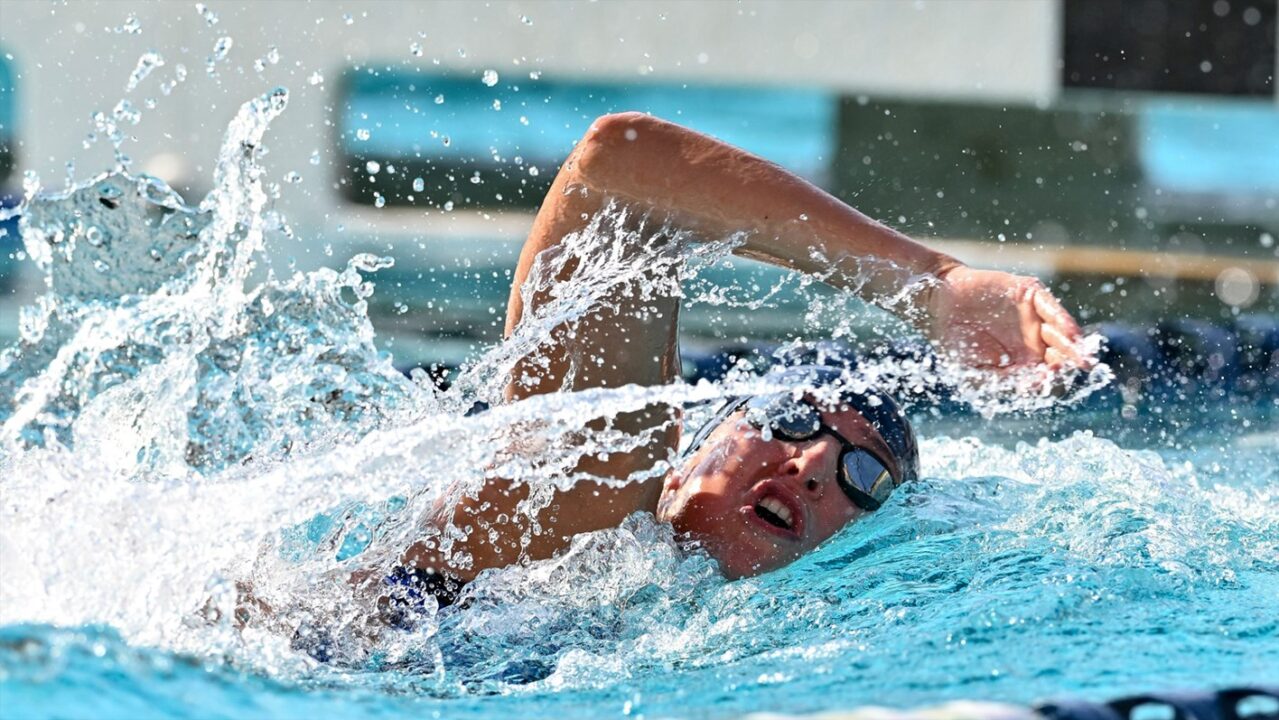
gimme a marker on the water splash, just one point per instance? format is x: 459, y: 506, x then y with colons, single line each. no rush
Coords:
x: 159, y: 372
x: 187, y: 436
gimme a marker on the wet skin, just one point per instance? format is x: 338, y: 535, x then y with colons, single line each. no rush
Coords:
x: 715, y: 497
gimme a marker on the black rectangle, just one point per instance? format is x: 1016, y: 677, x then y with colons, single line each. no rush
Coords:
x: 1220, y: 47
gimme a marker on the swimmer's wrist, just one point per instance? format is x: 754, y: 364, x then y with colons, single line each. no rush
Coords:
x: 925, y: 309
x: 941, y: 265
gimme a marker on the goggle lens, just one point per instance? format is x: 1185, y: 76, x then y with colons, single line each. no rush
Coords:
x: 784, y: 417
x: 867, y: 476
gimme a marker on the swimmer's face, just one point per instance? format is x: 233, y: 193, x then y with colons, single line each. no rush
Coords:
x: 757, y: 504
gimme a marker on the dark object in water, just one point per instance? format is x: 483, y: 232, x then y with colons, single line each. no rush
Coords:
x: 1243, y: 703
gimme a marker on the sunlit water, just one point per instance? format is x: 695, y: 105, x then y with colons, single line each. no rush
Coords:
x: 178, y: 421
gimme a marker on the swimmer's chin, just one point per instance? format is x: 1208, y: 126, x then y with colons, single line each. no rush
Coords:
x: 733, y: 563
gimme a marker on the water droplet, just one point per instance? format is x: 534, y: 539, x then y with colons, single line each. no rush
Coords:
x: 315, y: 157
x: 439, y: 99
x: 207, y: 13
x: 490, y: 77
x: 461, y: 52
x: 497, y: 104
x: 416, y: 49
x: 532, y: 170
x: 446, y: 141
x: 378, y: 200
x: 277, y: 100
x: 273, y: 55
x: 222, y: 47
x: 1267, y: 240
x: 293, y: 177
x: 372, y: 167
x: 101, y: 266
x: 362, y: 134
x: 448, y: 206
x: 180, y: 72
x: 346, y: 18
x: 1237, y: 287
x: 94, y: 236
x: 526, y: 20
x: 475, y: 179
x: 131, y: 26
x: 316, y: 78
x: 419, y: 184
x: 124, y: 111
x: 148, y: 62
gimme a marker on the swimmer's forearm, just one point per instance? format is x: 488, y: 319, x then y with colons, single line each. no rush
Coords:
x: 720, y: 189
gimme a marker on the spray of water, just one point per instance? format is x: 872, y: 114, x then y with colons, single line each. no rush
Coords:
x: 204, y: 418
x: 205, y: 456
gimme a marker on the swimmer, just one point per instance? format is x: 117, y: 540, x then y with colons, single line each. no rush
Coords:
x: 768, y: 479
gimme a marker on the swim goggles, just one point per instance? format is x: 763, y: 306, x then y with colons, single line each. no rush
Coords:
x: 863, y: 476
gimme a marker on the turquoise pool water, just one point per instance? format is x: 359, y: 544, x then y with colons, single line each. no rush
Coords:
x: 175, y: 421
x: 1067, y: 568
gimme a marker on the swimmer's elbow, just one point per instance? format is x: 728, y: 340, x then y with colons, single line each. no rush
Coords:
x: 609, y: 144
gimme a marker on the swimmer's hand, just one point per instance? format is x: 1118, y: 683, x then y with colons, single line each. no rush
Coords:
x: 994, y: 320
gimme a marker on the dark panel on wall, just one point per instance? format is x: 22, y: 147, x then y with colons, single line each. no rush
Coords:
x: 1224, y: 47
x: 977, y: 171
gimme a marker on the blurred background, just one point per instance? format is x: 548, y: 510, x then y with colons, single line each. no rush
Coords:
x: 1126, y: 152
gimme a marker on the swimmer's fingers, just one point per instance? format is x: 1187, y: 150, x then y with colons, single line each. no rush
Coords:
x: 1061, y: 350
x: 1060, y: 334
x: 1055, y: 359
x: 1052, y: 313
x: 1033, y: 342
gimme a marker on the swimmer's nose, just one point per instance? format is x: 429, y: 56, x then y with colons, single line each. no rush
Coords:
x: 799, y: 471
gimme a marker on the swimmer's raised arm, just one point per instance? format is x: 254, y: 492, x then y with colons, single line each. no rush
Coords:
x: 987, y: 319
x: 719, y: 189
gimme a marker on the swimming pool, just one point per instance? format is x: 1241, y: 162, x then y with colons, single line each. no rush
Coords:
x: 176, y: 424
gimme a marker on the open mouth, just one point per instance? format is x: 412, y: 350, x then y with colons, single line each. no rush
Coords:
x: 773, y: 512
